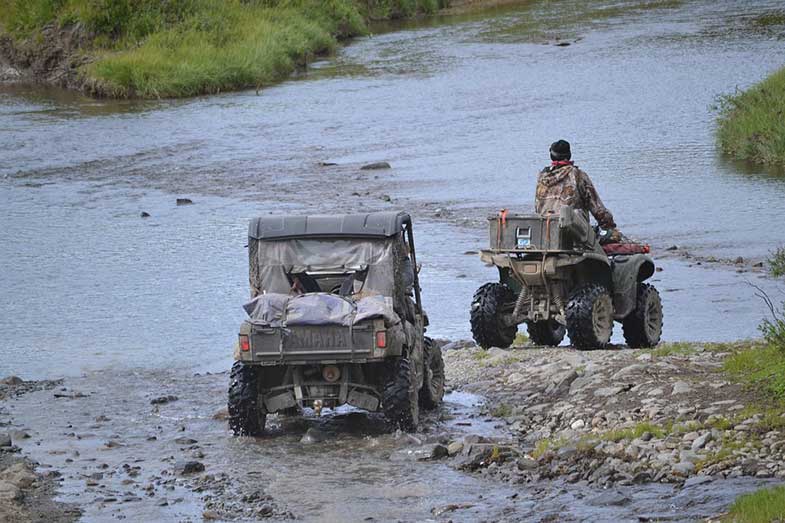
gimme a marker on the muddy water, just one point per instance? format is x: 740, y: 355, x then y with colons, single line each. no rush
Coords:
x: 118, y: 452
x: 464, y: 109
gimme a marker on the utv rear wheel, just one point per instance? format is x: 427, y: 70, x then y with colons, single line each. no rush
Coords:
x: 643, y: 327
x: 399, y: 398
x: 548, y: 332
x: 432, y: 390
x: 590, y: 317
x: 487, y: 328
x: 246, y: 415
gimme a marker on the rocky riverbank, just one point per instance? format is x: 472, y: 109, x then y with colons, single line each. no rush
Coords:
x: 25, y: 494
x: 617, y: 417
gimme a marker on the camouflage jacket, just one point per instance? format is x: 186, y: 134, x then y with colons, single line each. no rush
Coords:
x: 568, y: 185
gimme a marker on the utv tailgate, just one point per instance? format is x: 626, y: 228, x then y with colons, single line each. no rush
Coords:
x: 316, y: 342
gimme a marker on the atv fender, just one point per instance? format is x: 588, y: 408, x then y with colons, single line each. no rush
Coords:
x: 627, y: 272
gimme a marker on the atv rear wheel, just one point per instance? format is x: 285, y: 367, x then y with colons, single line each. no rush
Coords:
x: 487, y: 329
x: 590, y: 317
x: 432, y: 390
x: 399, y: 397
x: 246, y: 416
x: 643, y: 326
x: 548, y: 332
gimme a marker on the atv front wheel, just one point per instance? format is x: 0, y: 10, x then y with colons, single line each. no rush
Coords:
x: 487, y: 328
x: 432, y: 390
x: 643, y: 326
x: 590, y: 317
x: 399, y: 397
x: 548, y: 332
x: 246, y: 415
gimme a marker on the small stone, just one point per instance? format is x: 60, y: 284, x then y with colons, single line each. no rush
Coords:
x: 605, y: 392
x: 145, y: 214
x: 656, y: 392
x: 701, y: 441
x: 375, y: 165
x: 161, y: 400
x: 577, y: 424
x: 12, y: 380
x: 684, y: 468
x: 690, y: 436
x: 646, y: 356
x: 672, y: 248
x: 526, y: 464
x: 188, y: 467
x: 185, y: 441
x: 5, y: 440
x: 184, y: 201
x: 681, y: 387
x: 385, y: 198
x: 739, y: 260
x: 438, y: 452
x: 454, y: 448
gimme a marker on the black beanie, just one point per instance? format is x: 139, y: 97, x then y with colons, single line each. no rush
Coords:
x: 560, y: 151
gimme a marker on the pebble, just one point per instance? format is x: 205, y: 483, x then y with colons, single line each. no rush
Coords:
x: 188, y: 467
x: 681, y: 387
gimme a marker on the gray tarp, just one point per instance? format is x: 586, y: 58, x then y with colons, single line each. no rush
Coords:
x: 280, y: 310
x: 273, y: 260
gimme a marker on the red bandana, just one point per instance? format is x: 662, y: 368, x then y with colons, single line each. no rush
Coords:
x: 562, y: 163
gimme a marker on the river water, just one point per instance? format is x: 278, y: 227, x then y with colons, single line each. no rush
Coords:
x: 464, y: 109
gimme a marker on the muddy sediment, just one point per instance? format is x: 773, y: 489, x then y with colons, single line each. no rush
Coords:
x: 27, y: 491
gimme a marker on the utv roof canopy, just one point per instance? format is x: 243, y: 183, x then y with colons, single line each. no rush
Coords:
x: 369, y: 225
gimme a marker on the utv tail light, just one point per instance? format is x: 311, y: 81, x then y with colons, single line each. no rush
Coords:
x: 331, y: 373
x: 381, y: 339
x: 245, y: 343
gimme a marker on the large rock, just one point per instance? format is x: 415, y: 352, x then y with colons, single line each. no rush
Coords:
x: 606, y: 392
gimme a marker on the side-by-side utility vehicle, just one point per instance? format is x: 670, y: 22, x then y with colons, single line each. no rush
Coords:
x: 336, y: 318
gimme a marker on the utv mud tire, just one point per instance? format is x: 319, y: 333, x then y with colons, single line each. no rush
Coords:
x: 246, y: 416
x: 432, y: 390
x: 643, y: 327
x: 400, y: 398
x: 487, y: 328
x: 549, y: 332
x: 590, y: 317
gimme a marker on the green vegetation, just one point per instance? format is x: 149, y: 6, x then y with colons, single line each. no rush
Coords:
x: 770, y: 19
x: 636, y: 432
x: 170, y: 48
x: 520, y: 339
x: 502, y: 410
x: 761, y: 506
x: 751, y: 126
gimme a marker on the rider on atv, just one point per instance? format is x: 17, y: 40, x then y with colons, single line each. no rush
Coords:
x: 563, y: 183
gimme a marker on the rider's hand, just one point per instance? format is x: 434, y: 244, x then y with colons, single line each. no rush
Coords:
x: 614, y: 235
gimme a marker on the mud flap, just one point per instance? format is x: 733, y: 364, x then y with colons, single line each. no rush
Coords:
x: 280, y: 402
x: 363, y: 401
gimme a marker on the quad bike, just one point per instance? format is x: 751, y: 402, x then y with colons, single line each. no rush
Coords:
x: 555, y: 277
x: 336, y: 318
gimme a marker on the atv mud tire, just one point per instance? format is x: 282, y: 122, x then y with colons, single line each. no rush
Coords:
x: 400, y: 398
x: 487, y: 328
x: 432, y: 390
x: 643, y: 326
x: 590, y: 317
x: 246, y: 416
x: 548, y: 332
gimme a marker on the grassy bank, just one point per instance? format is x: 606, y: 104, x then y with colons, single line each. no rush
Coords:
x: 762, y: 506
x: 751, y: 126
x: 174, y: 48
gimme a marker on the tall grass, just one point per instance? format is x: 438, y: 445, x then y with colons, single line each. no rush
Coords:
x: 171, y: 48
x: 752, y: 123
x: 761, y: 506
